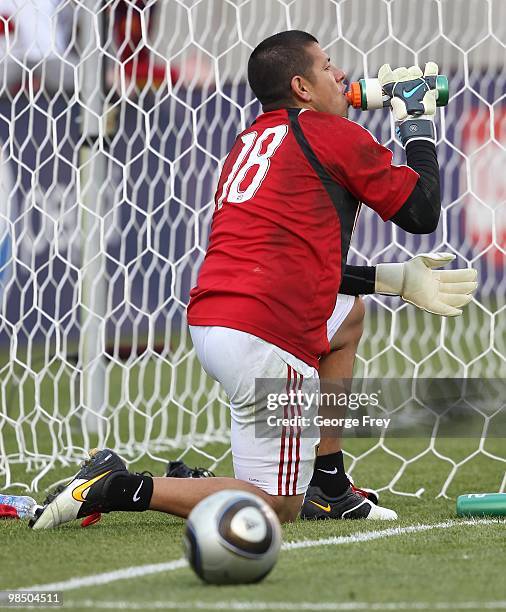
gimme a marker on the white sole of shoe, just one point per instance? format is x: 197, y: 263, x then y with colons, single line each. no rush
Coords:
x: 62, y: 509
x: 377, y: 513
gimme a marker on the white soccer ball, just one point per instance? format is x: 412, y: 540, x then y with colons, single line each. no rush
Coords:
x: 232, y: 537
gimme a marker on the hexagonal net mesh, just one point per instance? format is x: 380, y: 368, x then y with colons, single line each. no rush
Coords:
x: 115, y: 117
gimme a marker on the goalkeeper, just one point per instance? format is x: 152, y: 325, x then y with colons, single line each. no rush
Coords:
x: 285, y: 208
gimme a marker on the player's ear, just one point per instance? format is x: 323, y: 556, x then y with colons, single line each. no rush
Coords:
x: 299, y: 89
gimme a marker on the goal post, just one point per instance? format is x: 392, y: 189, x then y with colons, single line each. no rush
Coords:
x: 89, y: 194
x: 103, y: 227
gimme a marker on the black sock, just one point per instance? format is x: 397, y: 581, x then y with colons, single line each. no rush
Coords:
x: 329, y: 474
x: 129, y: 492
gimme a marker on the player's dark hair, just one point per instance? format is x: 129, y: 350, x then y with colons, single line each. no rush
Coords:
x: 275, y: 61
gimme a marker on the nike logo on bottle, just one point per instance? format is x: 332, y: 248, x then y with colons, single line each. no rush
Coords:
x: 410, y: 92
x: 136, y: 498
x: 334, y: 471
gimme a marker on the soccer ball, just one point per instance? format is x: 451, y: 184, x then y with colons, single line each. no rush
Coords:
x: 232, y: 537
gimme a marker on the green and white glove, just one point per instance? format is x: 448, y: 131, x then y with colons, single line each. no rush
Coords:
x: 412, y: 98
x: 440, y: 292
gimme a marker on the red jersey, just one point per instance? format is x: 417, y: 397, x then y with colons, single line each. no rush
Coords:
x: 285, y: 208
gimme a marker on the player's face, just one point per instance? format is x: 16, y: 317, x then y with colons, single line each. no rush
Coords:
x: 327, y: 85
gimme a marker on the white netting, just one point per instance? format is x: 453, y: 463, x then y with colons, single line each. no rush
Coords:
x: 114, y: 119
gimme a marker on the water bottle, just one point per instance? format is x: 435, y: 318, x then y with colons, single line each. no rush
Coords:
x: 482, y: 504
x: 25, y: 506
x: 367, y: 94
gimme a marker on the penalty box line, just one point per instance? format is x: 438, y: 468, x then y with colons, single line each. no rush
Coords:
x: 156, y: 568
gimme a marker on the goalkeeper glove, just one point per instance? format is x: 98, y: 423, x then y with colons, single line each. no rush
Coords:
x: 413, y: 99
x: 417, y: 282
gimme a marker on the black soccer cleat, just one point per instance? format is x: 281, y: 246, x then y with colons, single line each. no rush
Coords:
x: 350, y: 505
x: 85, y: 494
x: 179, y: 469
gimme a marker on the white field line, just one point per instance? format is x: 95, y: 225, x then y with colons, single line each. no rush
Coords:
x: 367, y: 536
x: 107, y: 577
x: 155, y: 568
x: 264, y: 605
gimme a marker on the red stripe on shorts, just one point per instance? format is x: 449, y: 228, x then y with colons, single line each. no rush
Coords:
x: 283, y: 434
x: 290, y: 439
x: 297, y: 447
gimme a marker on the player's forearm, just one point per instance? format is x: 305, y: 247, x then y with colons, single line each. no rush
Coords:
x: 420, y: 212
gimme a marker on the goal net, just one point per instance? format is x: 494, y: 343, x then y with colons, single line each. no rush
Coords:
x: 115, y: 117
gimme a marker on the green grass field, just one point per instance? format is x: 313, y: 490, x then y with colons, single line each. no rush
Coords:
x: 430, y: 560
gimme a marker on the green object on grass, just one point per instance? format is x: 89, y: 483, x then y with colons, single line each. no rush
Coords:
x: 482, y: 504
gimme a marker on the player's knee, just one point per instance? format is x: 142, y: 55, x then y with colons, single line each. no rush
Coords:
x: 286, y: 507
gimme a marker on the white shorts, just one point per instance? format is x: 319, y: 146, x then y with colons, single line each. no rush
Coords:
x: 280, y: 463
x: 344, y: 303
